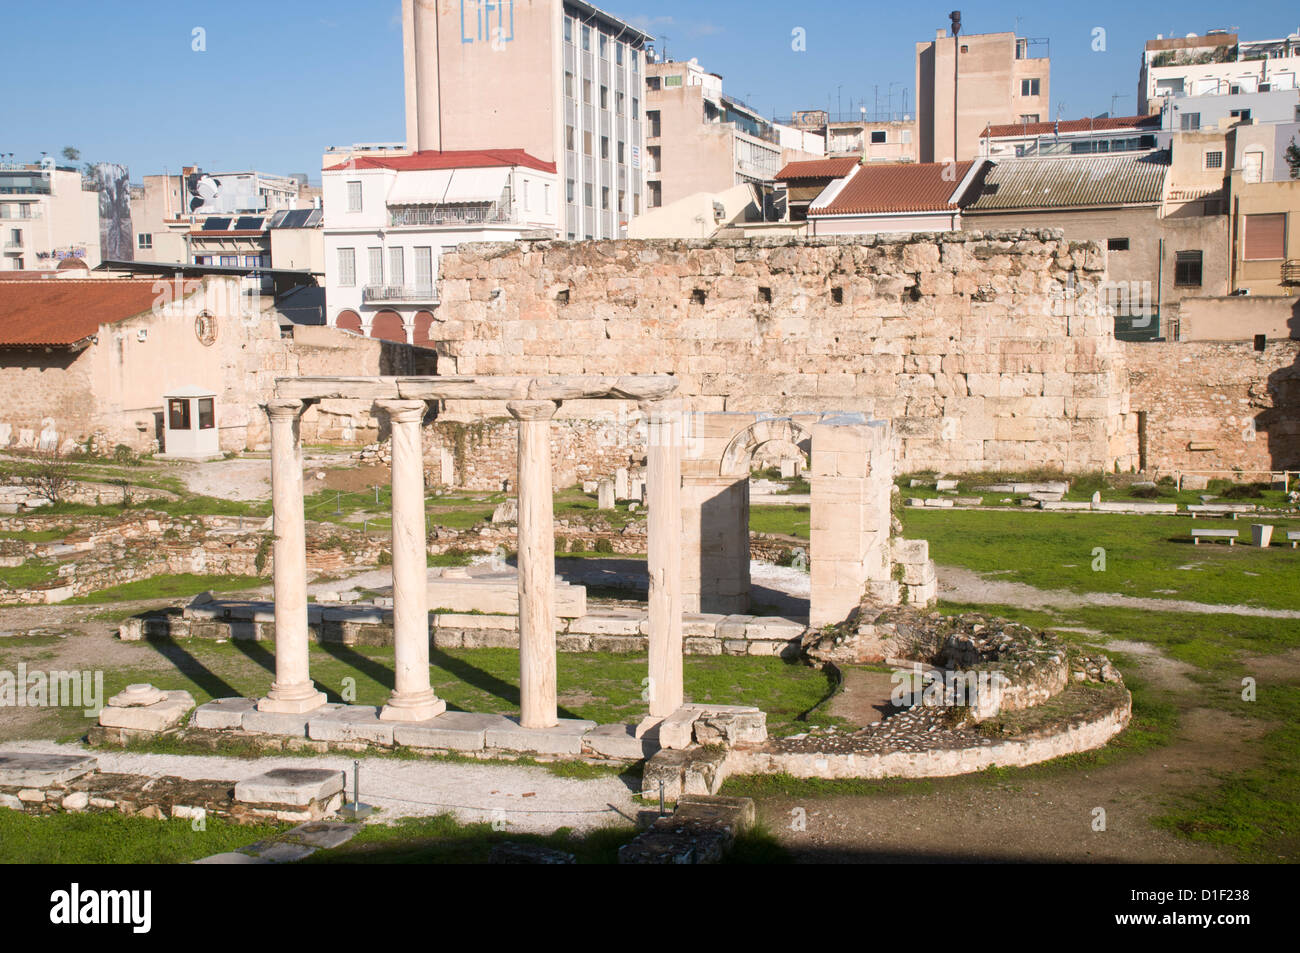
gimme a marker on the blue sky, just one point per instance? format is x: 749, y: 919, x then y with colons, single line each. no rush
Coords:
x: 280, y: 80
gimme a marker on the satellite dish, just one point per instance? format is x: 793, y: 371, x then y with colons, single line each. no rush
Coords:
x: 47, y: 163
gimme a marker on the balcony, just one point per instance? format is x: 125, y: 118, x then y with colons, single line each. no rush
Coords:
x: 20, y: 213
x: 427, y: 215
x: 14, y: 246
x: 1291, y: 272
x: 399, y: 294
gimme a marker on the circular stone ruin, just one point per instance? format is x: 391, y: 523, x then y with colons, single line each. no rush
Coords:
x: 970, y: 692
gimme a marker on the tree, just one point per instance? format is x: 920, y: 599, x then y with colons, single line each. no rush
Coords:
x: 71, y: 154
x: 1293, y: 158
x: 53, y: 476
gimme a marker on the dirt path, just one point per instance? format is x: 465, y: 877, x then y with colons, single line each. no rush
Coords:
x: 965, y: 585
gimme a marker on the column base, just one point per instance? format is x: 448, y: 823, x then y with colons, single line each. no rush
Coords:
x: 295, y: 701
x: 419, y: 707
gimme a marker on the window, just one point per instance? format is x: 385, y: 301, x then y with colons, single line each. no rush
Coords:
x: 619, y: 158
x: 653, y: 83
x: 424, y: 269
x: 252, y: 261
x: 1117, y: 244
x: 1026, y: 118
x: 569, y: 191
x: 1187, y: 269
x: 586, y: 37
x: 878, y: 137
x: 586, y: 142
x: 569, y: 135
x: 672, y: 81
x: 207, y: 414
x: 568, y: 84
x: 604, y: 97
x: 568, y: 29
x: 229, y: 261
x: 144, y: 240
x: 604, y: 147
x: 354, y: 196
x: 178, y: 414
x: 376, y: 265
x: 586, y: 91
x: 1265, y: 237
x: 618, y: 53
x: 397, y: 266
x: 618, y: 103
x: 586, y: 194
x: 1029, y: 87
x: 347, y: 267
x: 656, y: 195
x: 653, y: 116
x: 1190, y: 122
x: 636, y: 108
x: 907, y: 135
x: 604, y: 46
x: 622, y: 200
x: 546, y: 197
x: 1241, y: 115
x: 1214, y: 160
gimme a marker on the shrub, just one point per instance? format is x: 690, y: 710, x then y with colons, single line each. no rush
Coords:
x: 604, y: 545
x: 1245, y: 491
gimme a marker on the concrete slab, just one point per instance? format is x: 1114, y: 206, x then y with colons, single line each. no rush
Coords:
x: 453, y: 730
x: 281, y: 852
x: 223, y: 713
x: 232, y: 857
x: 564, y: 738
x: 22, y: 769
x: 168, y: 713
x: 296, y: 786
x: 620, y: 741
x: 324, y: 834
x: 285, y: 724
x: 351, y: 723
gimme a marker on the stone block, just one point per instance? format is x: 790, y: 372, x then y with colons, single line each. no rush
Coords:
x: 702, y: 646
x: 298, y: 787
x: 678, y: 729
x: 563, y: 738
x: 620, y: 741
x: 24, y: 769
x: 351, y: 723
x: 286, y: 724
x: 76, y: 801
x: 168, y: 713
x: 731, y: 728
x: 667, y: 766
x: 324, y: 834
x: 223, y: 713
x: 704, y: 771
x: 609, y: 622
x: 733, y: 626
x: 452, y: 730
x: 232, y: 857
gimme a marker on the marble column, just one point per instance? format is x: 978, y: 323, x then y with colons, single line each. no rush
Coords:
x: 292, y: 691
x: 413, y: 698
x: 664, y: 555
x: 536, y: 545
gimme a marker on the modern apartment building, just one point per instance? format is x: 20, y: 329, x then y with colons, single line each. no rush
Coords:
x: 47, y: 214
x: 1216, y: 64
x: 388, y: 219
x: 883, y: 140
x: 699, y: 139
x: 995, y: 80
x: 1101, y: 135
x: 560, y: 80
x: 168, y: 210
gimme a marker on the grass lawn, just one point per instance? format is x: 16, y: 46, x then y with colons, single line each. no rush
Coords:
x: 1144, y: 555
x: 782, y: 520
x: 33, y: 572
x: 111, y: 838
x: 168, y: 587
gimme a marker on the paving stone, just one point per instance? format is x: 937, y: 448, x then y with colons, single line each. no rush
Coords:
x: 564, y: 738
x: 223, y: 713
x: 453, y: 730
x: 284, y: 723
x: 621, y: 741
x: 324, y: 834
x: 281, y: 852
x: 76, y: 801
x: 294, y: 786
x: 21, y: 769
x: 168, y: 713
x: 350, y: 723
x: 11, y: 802
x: 232, y: 857
x: 733, y: 626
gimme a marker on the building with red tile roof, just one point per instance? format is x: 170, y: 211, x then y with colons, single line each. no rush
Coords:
x: 903, y: 197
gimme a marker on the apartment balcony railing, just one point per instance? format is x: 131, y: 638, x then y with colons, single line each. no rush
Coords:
x: 21, y: 216
x: 422, y: 294
x: 1291, y: 272
x: 13, y: 246
x: 449, y: 215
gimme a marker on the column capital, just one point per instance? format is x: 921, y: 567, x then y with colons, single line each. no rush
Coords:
x: 285, y: 408
x: 404, y: 411
x: 533, y: 409
x: 661, y: 411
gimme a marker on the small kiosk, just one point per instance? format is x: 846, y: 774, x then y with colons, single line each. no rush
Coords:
x: 190, y: 424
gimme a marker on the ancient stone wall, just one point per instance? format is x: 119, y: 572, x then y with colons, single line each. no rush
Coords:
x: 969, y: 343
x: 1217, y: 405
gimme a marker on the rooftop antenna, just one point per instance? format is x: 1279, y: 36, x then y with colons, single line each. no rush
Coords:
x: 664, y: 47
x: 1113, y: 98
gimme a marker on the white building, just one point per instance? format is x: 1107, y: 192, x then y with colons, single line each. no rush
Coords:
x: 46, y: 216
x: 1217, y: 64
x: 388, y: 219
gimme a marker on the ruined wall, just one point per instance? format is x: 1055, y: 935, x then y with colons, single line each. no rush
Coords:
x: 963, y: 340
x: 1217, y: 405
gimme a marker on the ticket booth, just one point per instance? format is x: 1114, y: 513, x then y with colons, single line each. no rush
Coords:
x: 190, y: 423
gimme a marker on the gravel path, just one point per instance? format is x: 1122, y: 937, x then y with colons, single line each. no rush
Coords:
x: 964, y: 585
x: 528, y: 799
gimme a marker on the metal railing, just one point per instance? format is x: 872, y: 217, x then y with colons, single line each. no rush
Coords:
x: 398, y: 293
x: 450, y: 215
x: 1291, y: 272
x: 10, y: 246
x: 30, y: 215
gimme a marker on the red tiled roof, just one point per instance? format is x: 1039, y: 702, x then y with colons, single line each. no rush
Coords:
x: 818, y: 169
x: 60, y: 313
x: 1071, y: 125
x: 897, y: 187
x: 456, y: 159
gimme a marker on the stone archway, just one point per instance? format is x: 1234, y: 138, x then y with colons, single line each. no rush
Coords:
x: 738, y: 456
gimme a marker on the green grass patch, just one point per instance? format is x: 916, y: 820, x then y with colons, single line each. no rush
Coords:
x: 32, y: 573
x: 168, y: 587
x: 781, y: 520
x: 111, y: 838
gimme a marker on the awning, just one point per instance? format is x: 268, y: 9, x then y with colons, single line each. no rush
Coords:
x: 449, y: 186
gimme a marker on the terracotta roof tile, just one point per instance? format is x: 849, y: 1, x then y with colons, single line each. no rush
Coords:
x: 818, y: 169
x: 459, y: 159
x: 897, y: 187
x: 60, y: 313
x: 1150, y: 123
